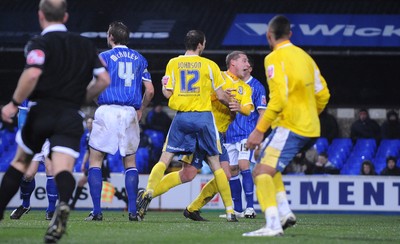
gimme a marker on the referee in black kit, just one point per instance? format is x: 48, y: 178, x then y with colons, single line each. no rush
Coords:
x: 59, y: 67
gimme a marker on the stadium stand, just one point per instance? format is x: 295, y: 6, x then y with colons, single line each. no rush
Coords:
x: 176, y: 17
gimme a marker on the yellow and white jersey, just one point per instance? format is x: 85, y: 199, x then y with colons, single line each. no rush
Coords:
x: 192, y: 79
x: 298, y: 92
x: 242, y: 94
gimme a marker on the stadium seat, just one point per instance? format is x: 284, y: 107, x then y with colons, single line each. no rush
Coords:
x: 389, y: 148
x: 115, y: 163
x: 321, y: 145
x: 365, y: 143
x: 157, y: 137
x: 142, y: 160
x: 336, y: 161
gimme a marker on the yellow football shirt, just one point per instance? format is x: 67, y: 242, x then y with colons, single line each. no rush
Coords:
x: 192, y: 80
x: 242, y: 94
x: 298, y: 92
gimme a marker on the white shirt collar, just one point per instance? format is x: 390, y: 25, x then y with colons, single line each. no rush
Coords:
x: 54, y: 27
x: 120, y: 46
x: 251, y: 77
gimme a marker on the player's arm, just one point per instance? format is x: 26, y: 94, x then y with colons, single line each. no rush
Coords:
x: 26, y: 83
x: 147, y: 97
x: 222, y: 96
x: 322, y: 94
x: 164, y: 82
x: 278, y: 94
x: 246, y: 105
x: 168, y: 80
x: 101, y: 81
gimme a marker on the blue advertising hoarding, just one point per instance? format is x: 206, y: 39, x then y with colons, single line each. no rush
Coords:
x: 331, y: 30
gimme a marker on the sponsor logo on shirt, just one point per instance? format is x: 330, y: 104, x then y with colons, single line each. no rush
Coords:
x: 263, y: 100
x: 35, y: 57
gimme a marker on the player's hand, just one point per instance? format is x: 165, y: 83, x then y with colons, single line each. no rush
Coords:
x: 231, y: 93
x: 255, y: 139
x: 8, y: 112
x: 234, y: 106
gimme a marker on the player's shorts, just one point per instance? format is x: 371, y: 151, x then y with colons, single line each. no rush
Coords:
x: 196, y: 159
x: 281, y: 146
x: 191, y: 131
x: 238, y: 151
x: 40, y: 157
x: 59, y: 122
x: 115, y: 127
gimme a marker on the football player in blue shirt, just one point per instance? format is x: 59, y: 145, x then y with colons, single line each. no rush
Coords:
x: 240, y: 157
x: 27, y: 185
x: 116, y: 121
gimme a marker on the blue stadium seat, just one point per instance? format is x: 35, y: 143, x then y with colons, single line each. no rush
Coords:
x: 389, y: 148
x: 365, y: 143
x: 322, y: 144
x: 337, y: 161
x: 115, y: 163
x: 142, y: 160
x: 157, y: 137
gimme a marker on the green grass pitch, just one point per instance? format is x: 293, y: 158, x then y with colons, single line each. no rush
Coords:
x: 172, y: 227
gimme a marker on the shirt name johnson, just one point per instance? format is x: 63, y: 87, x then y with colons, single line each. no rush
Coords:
x: 189, y: 65
x: 118, y: 55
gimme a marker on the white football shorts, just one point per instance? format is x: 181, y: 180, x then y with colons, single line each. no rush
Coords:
x: 115, y: 127
x: 238, y: 151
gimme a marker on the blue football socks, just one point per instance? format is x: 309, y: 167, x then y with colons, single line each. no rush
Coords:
x: 95, y: 184
x: 131, y: 186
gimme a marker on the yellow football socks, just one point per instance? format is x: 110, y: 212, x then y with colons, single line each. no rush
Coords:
x: 155, y: 176
x: 265, y: 190
x: 206, y: 194
x: 224, y: 189
x: 278, y: 182
x: 167, y: 182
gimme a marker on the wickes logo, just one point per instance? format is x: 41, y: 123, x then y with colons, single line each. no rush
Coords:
x: 258, y: 29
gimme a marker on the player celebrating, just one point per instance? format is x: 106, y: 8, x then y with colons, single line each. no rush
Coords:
x: 298, y: 93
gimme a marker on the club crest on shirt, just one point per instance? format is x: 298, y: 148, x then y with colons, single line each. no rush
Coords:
x: 270, y: 71
x: 35, y: 57
x: 240, y: 90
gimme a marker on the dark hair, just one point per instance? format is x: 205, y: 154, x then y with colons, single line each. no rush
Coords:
x: 391, y: 158
x: 371, y: 166
x: 390, y: 113
x: 250, y: 60
x: 119, y: 32
x: 323, y: 154
x: 279, y: 26
x: 193, y: 38
x: 53, y: 11
x: 233, y: 56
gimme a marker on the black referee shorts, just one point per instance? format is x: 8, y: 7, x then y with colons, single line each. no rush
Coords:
x: 63, y: 126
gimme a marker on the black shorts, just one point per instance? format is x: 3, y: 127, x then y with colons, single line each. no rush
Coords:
x: 62, y: 125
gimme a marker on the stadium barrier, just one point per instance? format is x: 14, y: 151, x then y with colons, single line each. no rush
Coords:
x: 305, y: 193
